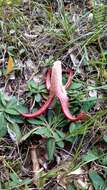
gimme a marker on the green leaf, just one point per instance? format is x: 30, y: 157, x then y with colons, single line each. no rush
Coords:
x: 35, y: 89
x: 14, y: 119
x: 103, y: 160
x: 58, y: 135
x: 16, y: 181
x: 50, y: 147
x: 75, y: 86
x: 74, y: 126
x: 3, y: 99
x: 88, y: 104
x: 11, y: 107
x: 11, y: 111
x: 36, y: 122
x: 60, y: 144
x: 14, y: 132
x: 38, y: 98
x: 21, y: 108
x: 90, y: 156
x: 43, y: 177
x: 3, y: 125
x: 43, y: 131
x: 14, y: 178
x: 15, y: 108
x: 71, y: 187
x: 32, y: 84
x: 105, y: 138
x: 97, y: 181
x: 27, y: 135
x: 71, y: 139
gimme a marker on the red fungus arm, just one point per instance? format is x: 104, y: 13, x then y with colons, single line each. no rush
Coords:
x: 69, y: 81
x: 41, y: 110
x: 60, y: 92
x: 65, y: 108
x: 48, y: 79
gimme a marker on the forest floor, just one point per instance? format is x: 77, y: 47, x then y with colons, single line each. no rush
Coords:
x: 50, y: 152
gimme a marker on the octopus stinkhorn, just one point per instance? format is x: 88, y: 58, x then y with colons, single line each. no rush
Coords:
x: 56, y: 88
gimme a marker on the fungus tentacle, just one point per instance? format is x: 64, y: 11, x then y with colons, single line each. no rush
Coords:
x: 69, y: 81
x: 61, y: 93
x: 41, y: 110
x: 65, y: 108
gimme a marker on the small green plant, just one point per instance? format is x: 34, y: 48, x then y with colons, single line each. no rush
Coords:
x: 10, y: 108
x: 15, y: 182
x: 35, y: 90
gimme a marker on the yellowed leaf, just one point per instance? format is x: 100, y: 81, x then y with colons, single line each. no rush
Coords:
x: 10, y: 65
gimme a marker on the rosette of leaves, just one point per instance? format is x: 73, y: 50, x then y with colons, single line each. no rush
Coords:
x: 35, y: 90
x: 10, y: 110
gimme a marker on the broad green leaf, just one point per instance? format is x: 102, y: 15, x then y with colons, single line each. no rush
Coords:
x: 71, y: 187
x: 97, y: 181
x: 71, y: 139
x: 75, y: 86
x: 11, y: 107
x: 16, y: 181
x: 90, y: 156
x: 3, y: 125
x: 35, y: 89
x: 1, y: 107
x: 60, y: 144
x: 11, y: 111
x: 56, y: 136
x: 36, y: 122
x: 88, y: 104
x: 105, y: 138
x: 43, y: 131
x: 60, y: 133
x: 14, y: 178
x: 21, y: 108
x: 32, y: 84
x: 15, y: 108
x: 14, y: 119
x: 2, y: 99
x: 59, y: 136
x: 74, y: 126
x: 50, y: 147
x: 12, y: 103
x: 14, y: 132
x: 103, y: 160
x: 38, y: 97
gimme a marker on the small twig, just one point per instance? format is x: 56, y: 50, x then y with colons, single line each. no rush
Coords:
x: 35, y: 163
